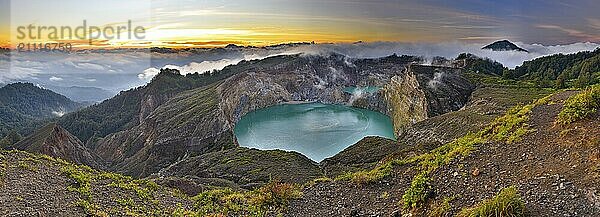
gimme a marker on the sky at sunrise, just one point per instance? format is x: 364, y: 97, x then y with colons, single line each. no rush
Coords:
x: 425, y: 28
x: 200, y: 23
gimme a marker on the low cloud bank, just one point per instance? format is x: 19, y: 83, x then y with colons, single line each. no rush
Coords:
x: 448, y: 50
x: 125, y: 69
x: 510, y: 59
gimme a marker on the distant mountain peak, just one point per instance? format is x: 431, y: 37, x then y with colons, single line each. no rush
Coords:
x: 233, y: 46
x: 504, y: 45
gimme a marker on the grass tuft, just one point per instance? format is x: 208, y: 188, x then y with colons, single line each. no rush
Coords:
x: 90, y: 208
x: 507, y: 203
x: 580, y: 106
x: 441, y: 208
x: 317, y: 180
x: 510, y: 127
x: 82, y: 180
x: 274, y: 196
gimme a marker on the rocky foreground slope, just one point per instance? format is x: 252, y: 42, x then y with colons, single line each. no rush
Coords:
x: 547, y: 169
x: 39, y: 185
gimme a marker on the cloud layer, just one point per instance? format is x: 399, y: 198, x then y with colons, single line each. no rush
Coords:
x: 125, y: 69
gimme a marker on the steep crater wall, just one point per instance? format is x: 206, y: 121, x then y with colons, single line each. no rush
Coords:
x: 425, y: 91
x: 202, y: 120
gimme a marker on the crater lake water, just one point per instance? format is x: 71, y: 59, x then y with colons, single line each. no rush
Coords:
x: 316, y: 130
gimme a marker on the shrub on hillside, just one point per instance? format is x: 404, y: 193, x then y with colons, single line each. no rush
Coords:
x: 418, y: 192
x: 274, y: 196
x: 580, y: 106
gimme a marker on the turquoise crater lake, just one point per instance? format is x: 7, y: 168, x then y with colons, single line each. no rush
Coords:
x: 316, y: 130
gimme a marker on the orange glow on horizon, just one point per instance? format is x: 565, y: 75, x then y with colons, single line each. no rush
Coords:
x: 188, y: 43
x: 180, y: 38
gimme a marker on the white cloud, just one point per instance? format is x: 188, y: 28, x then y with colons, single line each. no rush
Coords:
x: 90, y: 66
x: 204, y: 66
x: 148, y: 73
x: 54, y: 78
x: 58, y: 113
x: 208, y: 65
x: 111, y: 70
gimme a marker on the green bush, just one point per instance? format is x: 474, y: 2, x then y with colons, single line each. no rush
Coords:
x: 274, y: 196
x: 367, y: 176
x: 82, y: 180
x: 507, y: 203
x: 418, y: 192
x: 580, y: 106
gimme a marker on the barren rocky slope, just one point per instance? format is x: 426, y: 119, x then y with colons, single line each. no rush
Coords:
x: 553, y: 167
x: 244, y: 168
x: 38, y: 185
x: 53, y: 140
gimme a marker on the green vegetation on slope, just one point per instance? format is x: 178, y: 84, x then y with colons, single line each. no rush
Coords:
x: 586, y: 72
x: 508, y: 202
x: 123, y: 111
x: 580, y: 106
x: 418, y: 192
x: 496, y: 81
x: 274, y: 196
x: 24, y: 106
x: 559, y: 70
x: 474, y: 64
x: 10, y: 139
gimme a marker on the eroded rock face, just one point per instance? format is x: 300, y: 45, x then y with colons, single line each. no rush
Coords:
x: 406, y: 101
x: 55, y: 141
x: 423, y: 92
x: 187, y: 125
x: 150, y: 102
x: 445, y: 88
